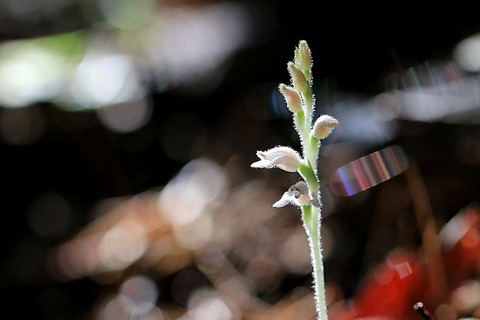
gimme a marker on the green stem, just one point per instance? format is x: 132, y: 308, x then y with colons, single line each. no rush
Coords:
x: 310, y: 143
x: 311, y: 152
x: 311, y: 217
x: 302, y: 129
x: 308, y: 98
x: 312, y: 223
x: 306, y: 171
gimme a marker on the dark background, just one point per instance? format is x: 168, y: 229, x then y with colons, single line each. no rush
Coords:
x: 356, y: 48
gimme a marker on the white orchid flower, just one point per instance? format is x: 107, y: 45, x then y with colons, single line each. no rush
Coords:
x: 296, y: 195
x: 284, y: 158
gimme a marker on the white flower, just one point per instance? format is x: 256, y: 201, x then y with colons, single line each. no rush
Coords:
x: 324, y: 126
x: 284, y: 158
x: 297, y: 195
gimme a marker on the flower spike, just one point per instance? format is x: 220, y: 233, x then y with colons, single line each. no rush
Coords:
x: 305, y: 194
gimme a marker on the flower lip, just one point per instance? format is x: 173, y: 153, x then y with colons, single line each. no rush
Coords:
x: 281, y: 157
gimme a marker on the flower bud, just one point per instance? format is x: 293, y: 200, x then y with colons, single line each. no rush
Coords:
x: 284, y: 158
x: 324, y: 126
x: 298, y: 78
x: 292, y: 98
x: 303, y: 56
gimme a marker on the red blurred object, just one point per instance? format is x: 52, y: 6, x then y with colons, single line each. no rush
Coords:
x: 461, y: 246
x: 391, y: 291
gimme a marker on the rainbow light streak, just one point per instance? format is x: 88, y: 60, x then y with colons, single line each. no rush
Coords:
x: 368, y: 171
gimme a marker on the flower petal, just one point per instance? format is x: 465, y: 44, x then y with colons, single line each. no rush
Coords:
x: 261, y: 164
x: 277, y: 152
x: 286, y: 199
x: 285, y: 163
x: 297, y: 195
x: 284, y: 158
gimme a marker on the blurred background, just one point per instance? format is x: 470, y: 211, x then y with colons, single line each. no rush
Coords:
x: 127, y: 130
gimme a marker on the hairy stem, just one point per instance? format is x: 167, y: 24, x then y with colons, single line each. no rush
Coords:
x: 311, y: 152
x: 311, y: 217
x: 300, y: 125
x: 308, y: 174
x: 312, y: 223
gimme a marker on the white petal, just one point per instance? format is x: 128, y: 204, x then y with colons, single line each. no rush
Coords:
x: 285, y: 200
x: 279, y: 151
x: 261, y: 164
x: 281, y: 157
x: 285, y: 163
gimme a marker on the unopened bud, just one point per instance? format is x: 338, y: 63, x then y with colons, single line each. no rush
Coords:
x: 324, y: 126
x: 292, y: 98
x: 303, y: 56
x: 298, y: 78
